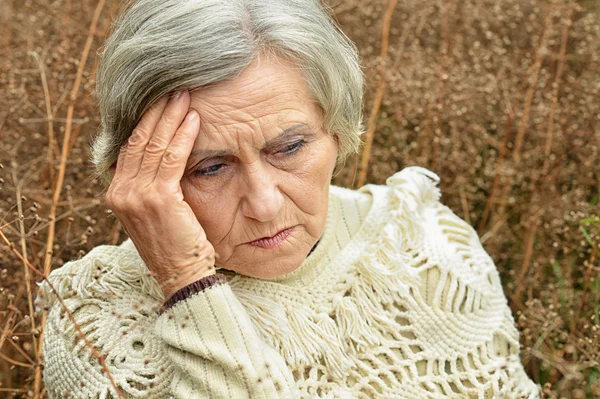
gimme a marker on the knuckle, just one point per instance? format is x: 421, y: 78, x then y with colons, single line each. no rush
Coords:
x: 138, y: 136
x: 172, y: 157
x: 110, y: 195
x: 156, y: 146
x: 114, y: 203
x: 128, y: 201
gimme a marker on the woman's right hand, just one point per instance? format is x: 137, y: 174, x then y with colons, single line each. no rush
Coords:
x: 145, y: 195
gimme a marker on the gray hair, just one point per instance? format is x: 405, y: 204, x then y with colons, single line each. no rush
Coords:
x: 159, y: 46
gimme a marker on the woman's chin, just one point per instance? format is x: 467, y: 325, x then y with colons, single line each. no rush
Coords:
x: 267, y: 263
x: 271, y: 258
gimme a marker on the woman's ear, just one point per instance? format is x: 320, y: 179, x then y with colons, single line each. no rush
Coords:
x: 339, y: 164
x: 336, y: 138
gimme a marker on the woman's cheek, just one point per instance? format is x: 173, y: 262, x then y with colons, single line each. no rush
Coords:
x: 206, y: 206
x: 217, y: 222
x: 210, y: 187
x: 308, y: 162
x: 318, y: 169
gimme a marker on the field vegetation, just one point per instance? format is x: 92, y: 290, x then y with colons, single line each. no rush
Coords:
x: 500, y: 98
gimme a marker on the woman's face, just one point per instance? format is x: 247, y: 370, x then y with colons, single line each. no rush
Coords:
x: 259, y: 174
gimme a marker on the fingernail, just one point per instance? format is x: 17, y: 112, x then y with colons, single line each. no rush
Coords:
x: 192, y: 115
x: 177, y: 94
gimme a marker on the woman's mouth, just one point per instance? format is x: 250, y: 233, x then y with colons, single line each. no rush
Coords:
x: 273, y: 242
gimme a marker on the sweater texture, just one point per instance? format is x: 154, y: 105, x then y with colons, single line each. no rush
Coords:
x: 398, y: 300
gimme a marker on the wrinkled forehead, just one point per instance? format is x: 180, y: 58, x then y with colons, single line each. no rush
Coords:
x: 266, y: 96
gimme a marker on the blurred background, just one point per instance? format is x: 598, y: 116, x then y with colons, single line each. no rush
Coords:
x: 500, y: 98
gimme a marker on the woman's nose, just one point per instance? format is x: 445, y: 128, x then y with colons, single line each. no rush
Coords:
x: 262, y: 199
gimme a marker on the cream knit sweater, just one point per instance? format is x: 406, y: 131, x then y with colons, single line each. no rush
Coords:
x: 398, y: 300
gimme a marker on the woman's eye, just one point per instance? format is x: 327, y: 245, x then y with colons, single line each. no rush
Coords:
x: 292, y: 148
x: 210, y: 170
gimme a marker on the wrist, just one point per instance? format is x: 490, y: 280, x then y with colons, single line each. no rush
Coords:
x: 194, y: 288
x: 177, y: 282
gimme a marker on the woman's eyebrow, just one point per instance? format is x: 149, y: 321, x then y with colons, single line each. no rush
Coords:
x: 284, y: 133
x: 220, y: 153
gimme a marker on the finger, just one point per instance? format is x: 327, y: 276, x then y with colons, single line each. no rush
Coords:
x: 118, y: 169
x: 174, y: 159
x: 170, y: 121
x: 137, y: 142
x: 120, y: 162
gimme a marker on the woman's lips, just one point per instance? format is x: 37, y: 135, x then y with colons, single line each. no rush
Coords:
x: 273, y: 242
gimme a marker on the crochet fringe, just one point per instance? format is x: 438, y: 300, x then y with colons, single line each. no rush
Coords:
x: 383, y: 274
x: 107, y: 277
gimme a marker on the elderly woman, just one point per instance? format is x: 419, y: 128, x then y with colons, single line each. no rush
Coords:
x: 246, y: 274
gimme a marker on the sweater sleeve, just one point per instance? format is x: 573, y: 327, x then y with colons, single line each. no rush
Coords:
x: 216, y: 351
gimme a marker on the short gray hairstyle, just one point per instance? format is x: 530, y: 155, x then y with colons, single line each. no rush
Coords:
x: 158, y: 46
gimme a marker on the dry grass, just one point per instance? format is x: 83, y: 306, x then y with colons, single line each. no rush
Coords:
x: 499, y: 98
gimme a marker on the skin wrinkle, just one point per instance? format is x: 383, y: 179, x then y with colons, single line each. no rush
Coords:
x: 260, y: 190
